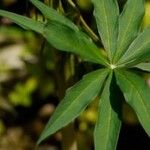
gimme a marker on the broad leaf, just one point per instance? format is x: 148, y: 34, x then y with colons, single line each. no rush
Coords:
x: 129, y: 24
x: 53, y: 15
x: 137, y: 95
x: 106, y: 13
x: 75, y: 101
x: 108, y: 124
x: 138, y: 51
x: 66, y: 39
x: 143, y: 66
x: 23, y: 21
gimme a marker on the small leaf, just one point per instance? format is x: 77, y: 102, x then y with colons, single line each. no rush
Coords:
x: 67, y: 39
x: 143, y: 66
x: 138, y: 51
x: 106, y: 13
x: 108, y: 124
x: 137, y: 95
x: 129, y: 24
x: 23, y: 21
x: 53, y: 15
x: 75, y: 101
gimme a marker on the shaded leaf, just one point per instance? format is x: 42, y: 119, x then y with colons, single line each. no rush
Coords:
x: 129, y: 24
x: 106, y: 13
x: 108, y: 124
x: 23, y: 21
x: 137, y: 95
x: 138, y: 51
x: 75, y: 101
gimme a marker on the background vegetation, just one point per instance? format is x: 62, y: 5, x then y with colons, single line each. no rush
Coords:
x: 33, y: 77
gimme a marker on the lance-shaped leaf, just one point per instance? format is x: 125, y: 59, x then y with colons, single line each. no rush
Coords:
x: 108, y: 124
x: 53, y: 15
x: 67, y: 39
x: 75, y: 101
x: 23, y: 21
x: 106, y: 13
x: 143, y: 66
x: 129, y: 24
x: 138, y: 51
x: 137, y: 95
x: 61, y: 37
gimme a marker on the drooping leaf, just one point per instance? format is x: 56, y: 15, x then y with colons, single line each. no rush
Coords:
x: 143, y: 66
x: 23, y: 21
x: 138, y: 51
x: 67, y: 39
x: 108, y: 124
x: 53, y: 15
x: 106, y: 13
x: 75, y: 101
x: 129, y: 24
x: 137, y: 95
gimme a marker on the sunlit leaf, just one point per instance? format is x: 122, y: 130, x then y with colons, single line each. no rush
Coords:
x: 75, y: 101
x: 129, y: 24
x: 108, y: 124
x: 137, y: 95
x: 138, y: 51
x: 143, y: 66
x: 106, y: 13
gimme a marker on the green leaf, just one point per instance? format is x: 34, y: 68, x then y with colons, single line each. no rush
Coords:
x: 23, y: 21
x: 143, y: 66
x: 75, y: 101
x: 129, y: 24
x: 53, y: 15
x: 67, y: 39
x: 108, y: 124
x: 138, y: 51
x: 137, y: 95
x: 61, y: 37
x: 106, y: 13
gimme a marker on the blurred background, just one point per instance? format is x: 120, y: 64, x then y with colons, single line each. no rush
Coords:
x: 34, y: 77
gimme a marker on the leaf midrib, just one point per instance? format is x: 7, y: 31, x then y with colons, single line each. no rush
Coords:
x: 75, y: 101
x: 108, y: 126
x: 120, y: 45
x: 125, y: 60
x: 107, y: 29
x: 138, y: 93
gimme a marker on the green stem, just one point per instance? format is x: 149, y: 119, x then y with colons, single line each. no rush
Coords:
x: 88, y: 29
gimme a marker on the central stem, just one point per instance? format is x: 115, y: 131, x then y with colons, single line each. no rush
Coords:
x: 112, y: 66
